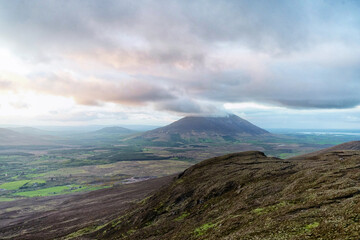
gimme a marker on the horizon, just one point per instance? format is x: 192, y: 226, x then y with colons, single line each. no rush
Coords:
x: 274, y: 63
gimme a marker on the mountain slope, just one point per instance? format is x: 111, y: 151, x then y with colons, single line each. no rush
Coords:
x: 250, y: 196
x: 203, y: 128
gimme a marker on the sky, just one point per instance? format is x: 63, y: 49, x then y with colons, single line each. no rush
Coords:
x: 278, y: 64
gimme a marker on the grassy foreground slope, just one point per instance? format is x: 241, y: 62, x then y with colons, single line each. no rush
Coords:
x: 250, y: 196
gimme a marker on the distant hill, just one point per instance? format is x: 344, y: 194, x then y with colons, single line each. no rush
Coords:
x: 11, y: 137
x: 114, y: 130
x: 348, y: 146
x: 32, y: 131
x: 354, y: 145
x: 205, y: 128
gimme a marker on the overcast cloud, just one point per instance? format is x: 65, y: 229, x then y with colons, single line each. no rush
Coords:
x: 185, y: 57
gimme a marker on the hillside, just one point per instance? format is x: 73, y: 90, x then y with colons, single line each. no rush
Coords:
x: 244, y: 195
x: 250, y: 196
x: 205, y: 129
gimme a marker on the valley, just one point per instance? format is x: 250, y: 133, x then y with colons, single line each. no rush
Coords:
x: 111, y: 156
x: 42, y: 182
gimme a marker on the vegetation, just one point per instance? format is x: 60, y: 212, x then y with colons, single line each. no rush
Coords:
x: 250, y: 196
x: 203, y: 229
x: 56, y: 191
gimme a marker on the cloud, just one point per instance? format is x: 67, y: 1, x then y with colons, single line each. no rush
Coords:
x: 166, y: 30
x: 81, y: 116
x: 93, y: 91
x: 19, y: 105
x: 187, y: 106
x: 188, y: 57
x: 5, y: 84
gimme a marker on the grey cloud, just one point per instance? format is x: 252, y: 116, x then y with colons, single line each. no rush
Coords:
x: 168, y: 28
x: 303, y: 86
x: 172, y: 43
x: 93, y: 92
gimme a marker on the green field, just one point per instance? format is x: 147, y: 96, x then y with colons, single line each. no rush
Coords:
x: 4, y: 199
x: 20, y: 184
x: 56, y: 191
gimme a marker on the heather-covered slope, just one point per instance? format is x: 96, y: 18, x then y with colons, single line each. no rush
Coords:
x: 250, y: 196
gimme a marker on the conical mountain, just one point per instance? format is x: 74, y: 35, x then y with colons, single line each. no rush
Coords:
x: 195, y: 127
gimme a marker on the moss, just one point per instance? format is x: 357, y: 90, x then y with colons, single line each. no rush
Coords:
x: 203, y: 229
x: 142, y: 202
x: 131, y: 231
x: 182, y: 216
x: 271, y: 208
x: 310, y: 226
x: 83, y: 231
x: 259, y: 210
x: 158, y: 207
x: 179, y: 181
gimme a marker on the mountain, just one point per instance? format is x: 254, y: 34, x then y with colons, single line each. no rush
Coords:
x: 114, y: 130
x: 250, y: 196
x: 204, y: 128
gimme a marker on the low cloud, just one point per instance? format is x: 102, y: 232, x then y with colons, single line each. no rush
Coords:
x: 186, y: 106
